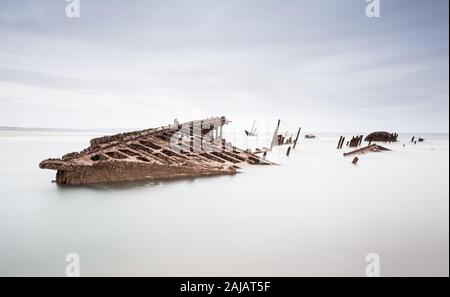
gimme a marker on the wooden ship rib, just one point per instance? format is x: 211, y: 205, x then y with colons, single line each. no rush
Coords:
x: 191, y: 149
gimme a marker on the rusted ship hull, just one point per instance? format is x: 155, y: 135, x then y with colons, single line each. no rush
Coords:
x: 192, y: 149
x: 115, y: 172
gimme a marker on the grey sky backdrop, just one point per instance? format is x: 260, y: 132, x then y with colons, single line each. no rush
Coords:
x: 321, y: 64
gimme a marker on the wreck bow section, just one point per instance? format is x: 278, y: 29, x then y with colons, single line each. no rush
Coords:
x: 191, y: 149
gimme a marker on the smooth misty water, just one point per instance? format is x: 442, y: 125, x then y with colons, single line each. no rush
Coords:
x: 316, y: 214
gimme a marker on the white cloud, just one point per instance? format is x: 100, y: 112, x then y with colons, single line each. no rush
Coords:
x: 320, y: 63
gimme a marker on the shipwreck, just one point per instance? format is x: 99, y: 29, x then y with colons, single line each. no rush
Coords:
x: 381, y: 136
x: 192, y: 149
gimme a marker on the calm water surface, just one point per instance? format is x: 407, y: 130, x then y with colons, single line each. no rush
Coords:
x: 315, y: 214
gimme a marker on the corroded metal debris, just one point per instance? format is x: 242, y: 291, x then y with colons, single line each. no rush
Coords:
x: 382, y: 136
x: 192, y: 149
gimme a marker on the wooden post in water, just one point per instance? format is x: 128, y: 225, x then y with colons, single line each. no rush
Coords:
x: 296, y: 138
x: 339, y: 143
x: 288, y: 151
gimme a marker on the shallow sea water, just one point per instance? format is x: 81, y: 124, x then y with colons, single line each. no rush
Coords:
x: 315, y: 214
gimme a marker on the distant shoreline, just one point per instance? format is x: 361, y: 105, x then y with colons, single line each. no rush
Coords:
x: 30, y: 129
x: 121, y: 130
x: 24, y: 129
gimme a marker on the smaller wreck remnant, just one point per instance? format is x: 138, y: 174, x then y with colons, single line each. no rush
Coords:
x: 381, y: 136
x: 368, y: 149
x: 420, y: 139
x: 356, y: 141
x: 280, y: 139
x: 310, y: 136
x: 283, y: 140
x: 191, y: 149
x: 252, y: 132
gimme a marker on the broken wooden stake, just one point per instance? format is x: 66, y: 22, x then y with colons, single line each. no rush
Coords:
x: 339, y: 143
x: 275, y: 136
x: 343, y: 140
x: 355, y: 160
x: 360, y: 140
x: 288, y: 151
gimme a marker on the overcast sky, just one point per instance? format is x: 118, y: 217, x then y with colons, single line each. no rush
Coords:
x: 321, y: 64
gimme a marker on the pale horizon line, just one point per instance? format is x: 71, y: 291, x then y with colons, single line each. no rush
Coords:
x: 100, y: 129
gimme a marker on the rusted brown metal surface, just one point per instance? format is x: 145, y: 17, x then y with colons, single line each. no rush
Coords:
x: 381, y: 136
x: 191, y: 149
